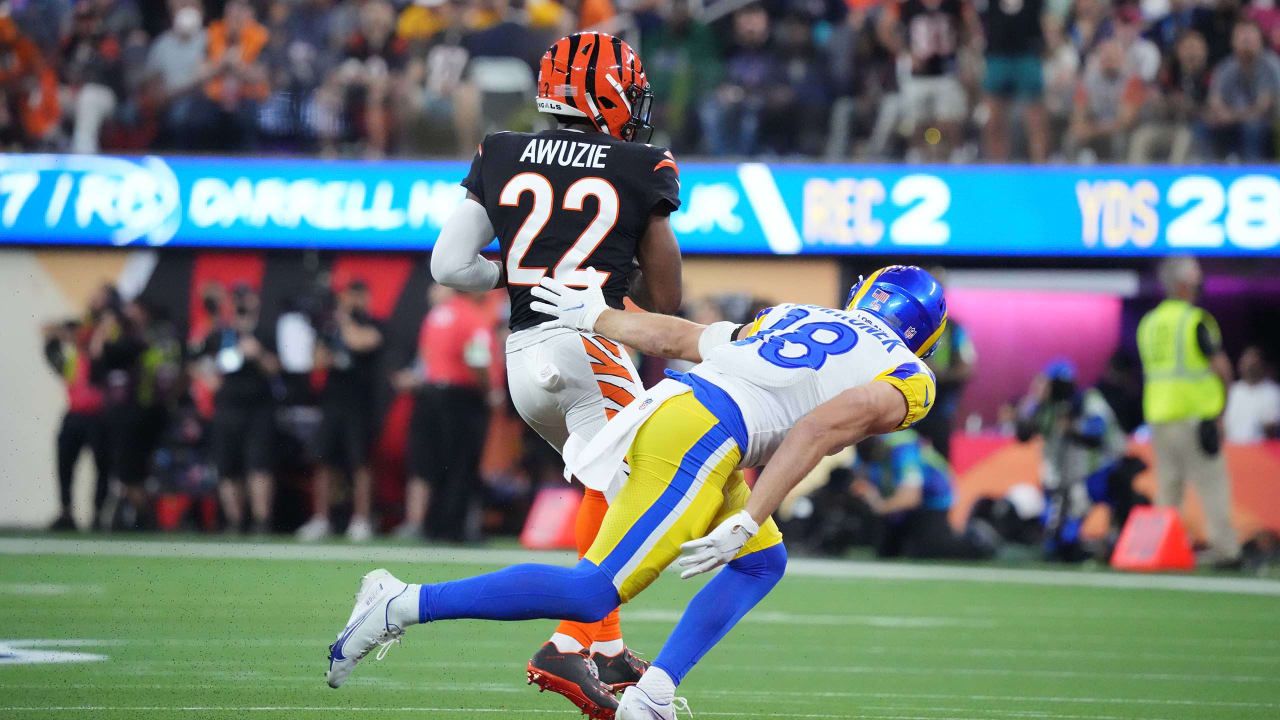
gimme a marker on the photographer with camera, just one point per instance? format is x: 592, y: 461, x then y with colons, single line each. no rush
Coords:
x: 349, y: 347
x: 236, y: 362
x: 906, y: 486
x: 67, y: 350
x: 1083, y: 457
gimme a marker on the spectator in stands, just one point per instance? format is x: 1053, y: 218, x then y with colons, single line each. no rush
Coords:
x: 1186, y: 372
x: 907, y: 486
x: 679, y: 59
x: 350, y: 348
x: 1218, y: 32
x: 864, y: 72
x: 1061, y: 77
x: 368, y: 80
x: 1141, y: 56
x: 798, y: 101
x: 1243, y: 96
x: 1107, y: 102
x: 502, y: 32
x: 235, y: 361
x: 294, y: 68
x: 1088, y: 24
x: 930, y: 33
x: 1083, y: 457
x: 1267, y: 14
x: 456, y: 352
x: 1253, y: 404
x: 420, y: 21
x: 1014, y: 33
x: 441, y: 110
x: 237, y: 78
x: 504, y: 53
x: 1184, y: 16
x: 29, y: 107
x: 174, y: 70
x: 1178, y: 106
x: 731, y: 113
x: 66, y: 347
x: 92, y: 76
x: 120, y: 18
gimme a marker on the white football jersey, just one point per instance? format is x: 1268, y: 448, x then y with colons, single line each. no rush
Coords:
x: 800, y: 356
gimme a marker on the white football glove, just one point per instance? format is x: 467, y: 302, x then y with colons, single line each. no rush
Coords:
x: 718, y: 546
x: 577, y: 309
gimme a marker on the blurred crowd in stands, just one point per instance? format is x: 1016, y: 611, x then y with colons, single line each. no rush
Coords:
x: 944, y: 80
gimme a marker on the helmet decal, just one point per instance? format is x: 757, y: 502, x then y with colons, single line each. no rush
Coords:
x: 909, y: 300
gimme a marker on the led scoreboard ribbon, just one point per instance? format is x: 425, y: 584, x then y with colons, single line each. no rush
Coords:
x: 741, y: 208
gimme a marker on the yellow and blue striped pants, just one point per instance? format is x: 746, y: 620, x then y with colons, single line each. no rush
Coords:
x: 682, y: 483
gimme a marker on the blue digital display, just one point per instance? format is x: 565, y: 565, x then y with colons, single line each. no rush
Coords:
x: 743, y: 208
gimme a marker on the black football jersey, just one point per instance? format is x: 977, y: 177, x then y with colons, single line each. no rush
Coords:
x: 563, y: 201
x: 933, y: 33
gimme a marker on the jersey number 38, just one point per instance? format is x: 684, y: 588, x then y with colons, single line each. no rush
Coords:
x: 819, y: 341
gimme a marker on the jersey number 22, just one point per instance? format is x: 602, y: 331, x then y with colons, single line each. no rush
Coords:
x: 569, y: 270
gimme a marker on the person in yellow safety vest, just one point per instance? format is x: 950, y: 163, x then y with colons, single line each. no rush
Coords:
x: 1186, y: 371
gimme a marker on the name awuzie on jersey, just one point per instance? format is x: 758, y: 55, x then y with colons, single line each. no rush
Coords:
x: 565, y: 153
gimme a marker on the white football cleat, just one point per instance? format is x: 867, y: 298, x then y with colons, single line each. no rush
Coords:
x: 368, y: 627
x: 315, y: 529
x: 360, y: 530
x: 637, y: 705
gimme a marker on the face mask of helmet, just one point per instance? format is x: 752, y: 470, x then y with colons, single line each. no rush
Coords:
x: 638, y: 129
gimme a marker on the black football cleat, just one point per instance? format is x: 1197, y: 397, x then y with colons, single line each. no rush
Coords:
x: 620, y: 671
x: 572, y: 675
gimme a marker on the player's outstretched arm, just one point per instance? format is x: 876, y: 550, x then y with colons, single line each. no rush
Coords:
x: 650, y: 333
x: 869, y: 409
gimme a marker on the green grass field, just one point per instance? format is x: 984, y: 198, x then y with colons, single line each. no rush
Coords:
x: 233, y: 636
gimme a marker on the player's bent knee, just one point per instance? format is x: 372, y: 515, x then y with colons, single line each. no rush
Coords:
x: 767, y: 564
x: 597, y: 597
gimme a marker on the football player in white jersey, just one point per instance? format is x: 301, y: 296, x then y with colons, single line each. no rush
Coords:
x: 800, y: 382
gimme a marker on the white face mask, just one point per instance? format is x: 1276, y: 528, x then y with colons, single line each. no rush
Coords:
x: 187, y: 21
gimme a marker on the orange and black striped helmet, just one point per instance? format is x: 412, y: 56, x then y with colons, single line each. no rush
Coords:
x: 598, y: 77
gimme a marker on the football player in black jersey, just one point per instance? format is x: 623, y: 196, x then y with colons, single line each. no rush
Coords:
x: 588, y: 204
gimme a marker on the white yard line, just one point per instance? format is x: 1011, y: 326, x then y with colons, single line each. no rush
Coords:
x: 800, y: 567
x: 49, y: 589
x: 666, y: 616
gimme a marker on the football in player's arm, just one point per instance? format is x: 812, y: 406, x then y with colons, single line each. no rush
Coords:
x: 457, y: 262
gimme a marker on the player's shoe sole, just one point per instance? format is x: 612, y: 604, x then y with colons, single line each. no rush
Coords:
x: 367, y: 628
x: 570, y: 675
